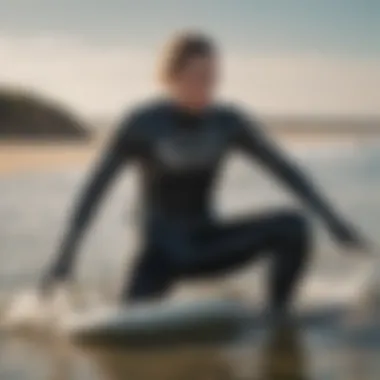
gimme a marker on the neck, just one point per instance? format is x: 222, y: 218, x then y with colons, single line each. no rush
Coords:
x: 188, y: 107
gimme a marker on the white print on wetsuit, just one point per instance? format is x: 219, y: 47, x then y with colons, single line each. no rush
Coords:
x: 190, y: 150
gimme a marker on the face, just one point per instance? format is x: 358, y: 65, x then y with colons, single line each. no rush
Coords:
x: 194, y: 85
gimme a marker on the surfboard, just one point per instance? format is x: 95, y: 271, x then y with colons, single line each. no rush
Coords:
x: 185, y: 323
x: 162, y: 323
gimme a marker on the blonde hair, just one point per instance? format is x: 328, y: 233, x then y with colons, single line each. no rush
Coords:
x: 182, y: 48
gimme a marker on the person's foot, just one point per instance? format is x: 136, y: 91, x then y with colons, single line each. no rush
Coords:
x: 279, y: 318
x: 270, y: 323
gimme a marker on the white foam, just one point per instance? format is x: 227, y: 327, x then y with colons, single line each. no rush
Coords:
x: 29, y: 311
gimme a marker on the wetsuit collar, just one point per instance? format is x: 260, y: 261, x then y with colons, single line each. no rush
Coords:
x: 187, y: 113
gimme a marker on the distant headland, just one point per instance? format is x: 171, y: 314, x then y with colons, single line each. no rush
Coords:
x: 26, y: 115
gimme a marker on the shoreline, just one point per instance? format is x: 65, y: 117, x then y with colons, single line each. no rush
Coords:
x: 18, y: 156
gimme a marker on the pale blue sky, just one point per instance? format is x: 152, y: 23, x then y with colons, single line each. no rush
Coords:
x: 296, y: 56
x: 329, y: 26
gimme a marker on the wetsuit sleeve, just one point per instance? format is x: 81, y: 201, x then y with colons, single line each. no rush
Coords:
x: 251, y: 139
x: 123, y: 146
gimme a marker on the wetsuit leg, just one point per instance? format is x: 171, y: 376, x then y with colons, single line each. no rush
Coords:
x: 215, y: 249
x: 284, y: 236
x: 150, y: 279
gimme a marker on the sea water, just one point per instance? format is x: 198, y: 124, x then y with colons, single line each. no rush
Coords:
x: 34, y: 209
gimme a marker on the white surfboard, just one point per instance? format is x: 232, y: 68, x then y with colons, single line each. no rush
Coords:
x: 196, y: 322
x: 164, y: 323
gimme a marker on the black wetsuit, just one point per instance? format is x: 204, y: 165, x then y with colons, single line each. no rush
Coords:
x: 180, y: 156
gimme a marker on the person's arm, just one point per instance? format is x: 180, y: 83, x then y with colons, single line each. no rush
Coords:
x: 121, y: 148
x: 251, y: 139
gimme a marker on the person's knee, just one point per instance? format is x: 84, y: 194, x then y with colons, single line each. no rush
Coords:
x: 296, y: 226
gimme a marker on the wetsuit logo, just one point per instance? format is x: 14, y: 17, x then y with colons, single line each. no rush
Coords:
x: 190, y: 150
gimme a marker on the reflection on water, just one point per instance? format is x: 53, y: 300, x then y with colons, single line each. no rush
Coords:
x: 280, y: 358
x: 286, y: 355
x: 180, y: 365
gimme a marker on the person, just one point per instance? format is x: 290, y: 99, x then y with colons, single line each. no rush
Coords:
x: 180, y: 141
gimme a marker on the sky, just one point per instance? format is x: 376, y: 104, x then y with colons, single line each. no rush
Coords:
x: 281, y: 56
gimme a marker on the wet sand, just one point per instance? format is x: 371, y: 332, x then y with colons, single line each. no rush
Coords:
x: 24, y: 156
x: 27, y: 157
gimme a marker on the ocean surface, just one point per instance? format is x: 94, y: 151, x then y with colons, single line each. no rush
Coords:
x: 34, y: 209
